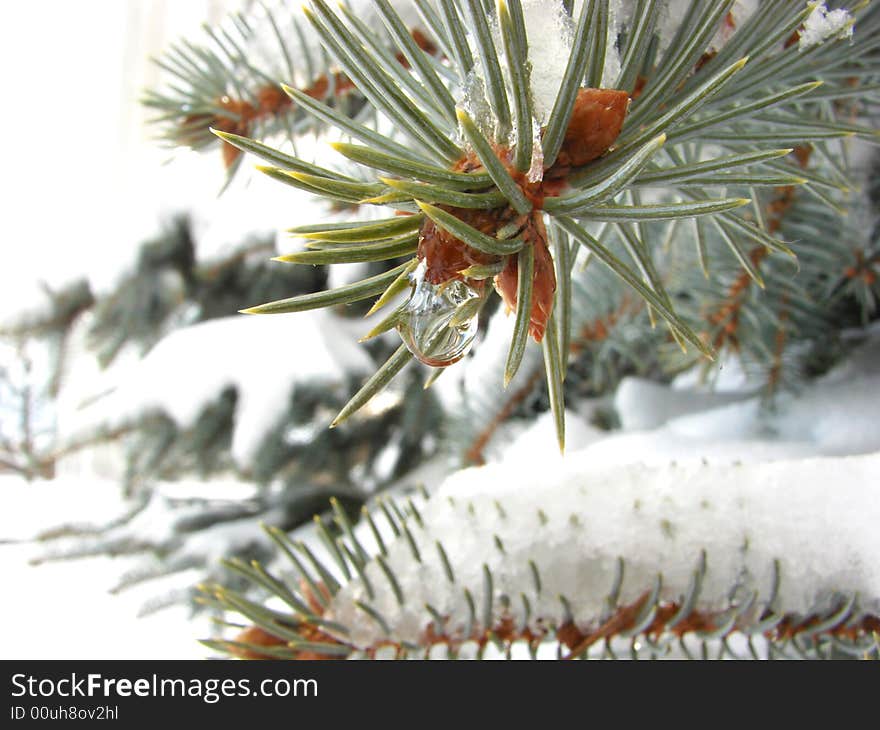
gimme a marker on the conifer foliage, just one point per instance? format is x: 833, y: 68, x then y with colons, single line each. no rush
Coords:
x: 687, y: 138
x: 697, y: 153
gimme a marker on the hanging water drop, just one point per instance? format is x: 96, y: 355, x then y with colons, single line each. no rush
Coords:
x: 439, y: 322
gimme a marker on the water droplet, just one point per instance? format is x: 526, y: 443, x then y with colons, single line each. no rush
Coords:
x: 439, y: 323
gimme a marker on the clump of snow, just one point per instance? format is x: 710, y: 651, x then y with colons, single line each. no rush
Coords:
x: 578, y: 434
x: 725, y: 375
x: 644, y: 404
x: 668, y: 21
x: 262, y: 357
x: 473, y: 98
x: 833, y: 416
x: 611, y: 70
x: 550, y: 33
x: 822, y: 25
x: 97, y: 624
x: 816, y: 517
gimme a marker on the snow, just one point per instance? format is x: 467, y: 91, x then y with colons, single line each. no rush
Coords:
x: 579, y: 433
x: 689, y: 471
x: 262, y: 356
x: 670, y: 17
x: 65, y: 610
x: 644, y: 404
x: 822, y: 25
x: 611, y: 70
x: 723, y: 376
x: 549, y: 31
x: 657, y: 519
x: 834, y: 415
x: 705, y: 469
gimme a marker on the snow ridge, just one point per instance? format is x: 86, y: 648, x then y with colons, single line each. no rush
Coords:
x: 815, y: 519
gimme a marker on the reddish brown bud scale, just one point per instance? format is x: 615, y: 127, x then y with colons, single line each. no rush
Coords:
x: 423, y: 42
x: 321, y: 85
x: 802, y: 154
x: 229, y: 152
x: 641, y: 82
x: 595, y: 124
x: 445, y: 256
x: 272, y: 100
x: 704, y: 59
x: 258, y: 637
x: 311, y: 599
x: 543, y: 279
x: 245, y: 112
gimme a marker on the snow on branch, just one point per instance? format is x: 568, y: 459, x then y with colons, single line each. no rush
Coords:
x: 540, y: 549
x: 262, y: 358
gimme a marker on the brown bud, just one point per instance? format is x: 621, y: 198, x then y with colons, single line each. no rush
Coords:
x: 257, y: 636
x: 543, y: 279
x: 595, y: 123
x: 445, y: 255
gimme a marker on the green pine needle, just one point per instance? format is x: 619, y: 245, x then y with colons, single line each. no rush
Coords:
x: 526, y: 267
x: 377, y: 382
x: 471, y: 236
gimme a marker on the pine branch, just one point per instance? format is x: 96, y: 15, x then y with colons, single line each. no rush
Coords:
x: 690, y: 116
x: 232, y: 81
x: 503, y: 590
